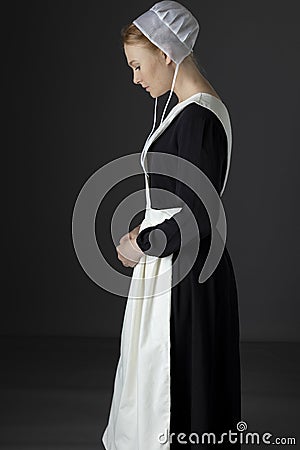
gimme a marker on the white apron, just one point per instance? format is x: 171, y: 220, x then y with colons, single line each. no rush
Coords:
x: 141, y: 402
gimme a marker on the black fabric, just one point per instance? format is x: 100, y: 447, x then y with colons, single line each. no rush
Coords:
x: 204, y: 321
x: 198, y: 136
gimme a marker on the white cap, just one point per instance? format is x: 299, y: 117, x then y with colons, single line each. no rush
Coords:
x: 171, y: 27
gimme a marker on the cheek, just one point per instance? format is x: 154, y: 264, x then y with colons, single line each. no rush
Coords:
x: 153, y: 75
x: 158, y: 81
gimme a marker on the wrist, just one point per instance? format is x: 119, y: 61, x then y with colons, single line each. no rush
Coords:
x: 136, y: 247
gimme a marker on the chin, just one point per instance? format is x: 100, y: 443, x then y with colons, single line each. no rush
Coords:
x: 160, y: 94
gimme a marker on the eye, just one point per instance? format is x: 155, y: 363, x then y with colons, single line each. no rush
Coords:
x: 138, y: 67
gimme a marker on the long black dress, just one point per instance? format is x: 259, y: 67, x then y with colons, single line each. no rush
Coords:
x: 204, y: 321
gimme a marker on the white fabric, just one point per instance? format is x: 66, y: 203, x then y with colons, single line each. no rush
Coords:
x: 141, y: 401
x: 171, y: 27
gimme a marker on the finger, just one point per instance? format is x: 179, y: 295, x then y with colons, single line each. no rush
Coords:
x: 124, y: 238
x: 121, y: 255
x: 122, y: 258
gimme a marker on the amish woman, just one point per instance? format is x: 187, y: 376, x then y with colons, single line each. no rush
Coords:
x: 178, y: 375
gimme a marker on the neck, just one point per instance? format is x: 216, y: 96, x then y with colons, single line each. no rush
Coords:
x: 189, y: 81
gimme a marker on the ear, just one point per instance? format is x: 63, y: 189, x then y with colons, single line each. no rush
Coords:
x: 167, y: 58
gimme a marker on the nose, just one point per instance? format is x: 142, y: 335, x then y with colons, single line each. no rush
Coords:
x: 136, y: 78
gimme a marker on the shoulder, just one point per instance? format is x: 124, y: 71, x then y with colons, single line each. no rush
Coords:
x: 198, y: 112
x: 195, y: 110
x: 195, y: 117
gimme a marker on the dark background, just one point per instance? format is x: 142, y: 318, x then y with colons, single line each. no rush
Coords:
x: 70, y: 107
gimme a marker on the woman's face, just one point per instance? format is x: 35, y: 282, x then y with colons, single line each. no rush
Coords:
x: 151, y: 69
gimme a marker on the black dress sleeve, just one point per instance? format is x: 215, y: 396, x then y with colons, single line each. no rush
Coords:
x: 201, y: 139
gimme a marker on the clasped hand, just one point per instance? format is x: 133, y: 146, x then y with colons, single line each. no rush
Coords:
x: 129, y: 253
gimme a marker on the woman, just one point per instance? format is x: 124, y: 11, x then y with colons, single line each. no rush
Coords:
x: 178, y: 374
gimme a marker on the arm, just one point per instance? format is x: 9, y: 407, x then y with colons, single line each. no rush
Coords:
x: 202, y: 140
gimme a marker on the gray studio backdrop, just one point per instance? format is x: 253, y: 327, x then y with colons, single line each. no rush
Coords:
x: 73, y: 108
